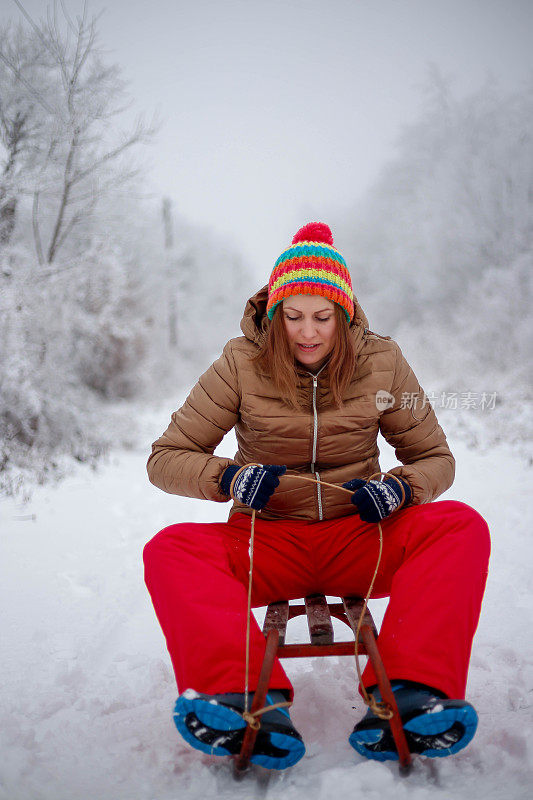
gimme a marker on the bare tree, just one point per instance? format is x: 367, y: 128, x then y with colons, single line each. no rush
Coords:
x: 21, y: 100
x: 13, y: 134
x: 168, y: 227
x: 81, y: 157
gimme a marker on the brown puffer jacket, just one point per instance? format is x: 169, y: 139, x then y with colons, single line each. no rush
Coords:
x: 323, y: 441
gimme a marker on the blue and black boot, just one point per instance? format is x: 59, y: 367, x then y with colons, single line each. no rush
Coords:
x: 214, y: 724
x: 434, y: 725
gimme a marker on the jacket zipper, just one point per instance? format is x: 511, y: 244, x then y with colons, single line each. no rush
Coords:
x: 315, y: 438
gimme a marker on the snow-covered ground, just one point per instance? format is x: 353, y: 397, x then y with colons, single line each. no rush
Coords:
x: 87, y: 688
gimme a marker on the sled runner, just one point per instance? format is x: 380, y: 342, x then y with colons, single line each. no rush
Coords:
x: 321, y: 643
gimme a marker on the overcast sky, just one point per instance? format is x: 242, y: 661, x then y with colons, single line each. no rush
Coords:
x: 276, y: 112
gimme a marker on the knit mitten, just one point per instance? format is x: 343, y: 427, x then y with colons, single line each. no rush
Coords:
x: 254, y: 485
x: 376, y: 500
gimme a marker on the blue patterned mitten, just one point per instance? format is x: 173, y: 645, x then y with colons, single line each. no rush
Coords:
x: 254, y: 485
x: 376, y: 500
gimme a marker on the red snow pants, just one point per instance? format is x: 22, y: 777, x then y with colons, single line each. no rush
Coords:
x: 433, y: 569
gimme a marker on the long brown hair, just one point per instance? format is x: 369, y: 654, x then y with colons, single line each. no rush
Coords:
x: 276, y: 358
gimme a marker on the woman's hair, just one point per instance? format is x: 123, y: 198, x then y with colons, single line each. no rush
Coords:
x: 276, y: 358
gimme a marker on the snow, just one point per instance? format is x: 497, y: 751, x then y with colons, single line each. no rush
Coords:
x: 87, y: 690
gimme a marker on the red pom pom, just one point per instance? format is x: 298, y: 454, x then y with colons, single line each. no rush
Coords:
x: 314, y: 232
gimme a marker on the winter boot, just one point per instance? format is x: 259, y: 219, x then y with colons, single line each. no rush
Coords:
x: 213, y: 724
x: 434, y: 726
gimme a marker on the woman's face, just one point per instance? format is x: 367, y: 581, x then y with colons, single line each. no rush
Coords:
x: 311, y: 324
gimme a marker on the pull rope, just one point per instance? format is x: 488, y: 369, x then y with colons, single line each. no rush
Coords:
x: 248, y: 716
x: 381, y: 709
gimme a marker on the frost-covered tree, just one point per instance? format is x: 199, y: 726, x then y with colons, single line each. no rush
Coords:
x: 23, y: 100
x: 79, y: 156
x: 441, y: 247
x: 456, y: 201
x: 95, y: 305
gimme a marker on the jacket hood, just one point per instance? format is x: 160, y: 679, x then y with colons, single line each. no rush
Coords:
x: 255, y: 322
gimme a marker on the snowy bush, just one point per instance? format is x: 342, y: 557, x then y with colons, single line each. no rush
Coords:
x: 97, y: 328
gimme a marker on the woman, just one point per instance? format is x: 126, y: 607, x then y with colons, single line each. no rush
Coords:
x: 307, y: 388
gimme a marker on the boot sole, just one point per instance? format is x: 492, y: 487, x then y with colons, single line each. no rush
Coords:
x: 443, y: 732
x: 218, y: 730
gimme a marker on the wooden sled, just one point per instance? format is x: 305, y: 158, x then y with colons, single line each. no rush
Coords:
x: 321, y: 643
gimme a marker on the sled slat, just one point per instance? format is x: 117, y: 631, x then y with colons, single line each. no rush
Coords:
x: 319, y: 620
x: 276, y: 619
x: 353, y: 607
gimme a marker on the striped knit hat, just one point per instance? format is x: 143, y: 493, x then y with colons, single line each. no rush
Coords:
x: 311, y: 265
